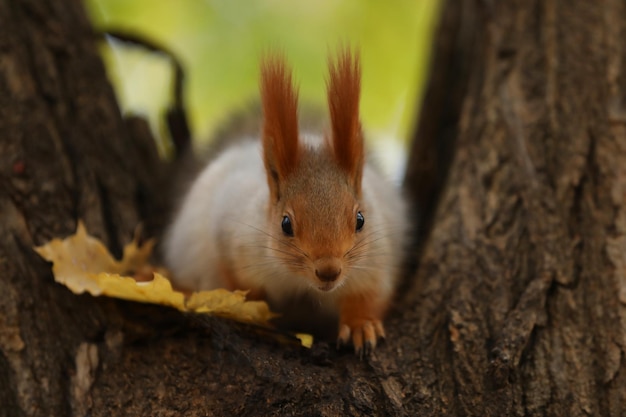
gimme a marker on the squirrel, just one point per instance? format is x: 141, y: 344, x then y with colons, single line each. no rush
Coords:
x: 301, y: 220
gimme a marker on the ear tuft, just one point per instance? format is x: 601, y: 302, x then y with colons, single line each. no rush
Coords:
x: 344, y: 90
x: 280, y: 121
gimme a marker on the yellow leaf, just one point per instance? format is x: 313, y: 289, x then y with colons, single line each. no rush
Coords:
x: 305, y: 339
x: 157, y: 291
x: 230, y: 304
x: 83, y: 264
x: 77, y: 259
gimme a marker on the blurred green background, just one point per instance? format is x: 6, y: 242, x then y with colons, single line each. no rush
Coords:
x: 220, y: 42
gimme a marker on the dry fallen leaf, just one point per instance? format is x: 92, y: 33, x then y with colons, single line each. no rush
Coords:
x: 83, y: 264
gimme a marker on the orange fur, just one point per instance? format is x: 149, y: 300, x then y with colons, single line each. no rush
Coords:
x: 360, y: 317
x: 344, y: 89
x: 359, y: 308
x: 280, y: 121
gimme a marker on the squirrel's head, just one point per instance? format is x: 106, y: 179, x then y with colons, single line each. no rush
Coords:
x: 315, y: 215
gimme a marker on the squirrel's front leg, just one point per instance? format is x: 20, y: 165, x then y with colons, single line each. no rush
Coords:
x: 360, y: 319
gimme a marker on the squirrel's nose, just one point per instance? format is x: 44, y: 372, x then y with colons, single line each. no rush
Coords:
x: 327, y: 269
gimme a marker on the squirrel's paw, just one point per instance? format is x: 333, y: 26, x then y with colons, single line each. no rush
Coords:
x: 364, y: 334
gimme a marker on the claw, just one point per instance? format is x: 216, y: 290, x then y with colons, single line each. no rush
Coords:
x: 359, y: 353
x: 357, y: 339
x: 379, y: 329
x: 359, y: 320
x: 369, y: 334
x: 344, y: 336
x: 364, y: 336
x: 368, y: 347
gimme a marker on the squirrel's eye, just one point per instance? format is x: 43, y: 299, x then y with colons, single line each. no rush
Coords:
x: 286, y: 225
x: 360, y: 221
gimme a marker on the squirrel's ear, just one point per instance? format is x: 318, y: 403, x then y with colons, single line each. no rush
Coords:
x: 344, y: 89
x: 280, y: 122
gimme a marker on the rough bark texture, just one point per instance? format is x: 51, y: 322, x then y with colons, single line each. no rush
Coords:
x: 520, y: 290
x: 517, y: 305
x: 65, y: 154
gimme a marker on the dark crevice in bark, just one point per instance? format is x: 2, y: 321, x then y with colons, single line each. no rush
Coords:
x: 110, y: 225
x: 8, y: 397
x: 434, y: 141
x: 151, y: 196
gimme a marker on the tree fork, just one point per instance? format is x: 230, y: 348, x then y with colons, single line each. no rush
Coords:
x: 517, y: 304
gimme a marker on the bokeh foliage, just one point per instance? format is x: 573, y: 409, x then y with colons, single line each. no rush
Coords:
x: 219, y: 43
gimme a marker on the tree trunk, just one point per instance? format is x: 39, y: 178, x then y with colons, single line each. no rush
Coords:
x: 65, y: 154
x: 517, y: 304
x: 519, y: 298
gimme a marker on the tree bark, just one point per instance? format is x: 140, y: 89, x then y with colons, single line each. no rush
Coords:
x: 65, y: 154
x: 519, y: 298
x: 517, y: 303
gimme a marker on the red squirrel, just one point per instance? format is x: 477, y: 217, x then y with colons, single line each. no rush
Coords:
x: 297, y: 215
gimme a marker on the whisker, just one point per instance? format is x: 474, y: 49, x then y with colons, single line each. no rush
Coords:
x: 290, y: 254
x: 379, y: 267
x: 271, y: 262
x: 281, y: 241
x: 377, y: 258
